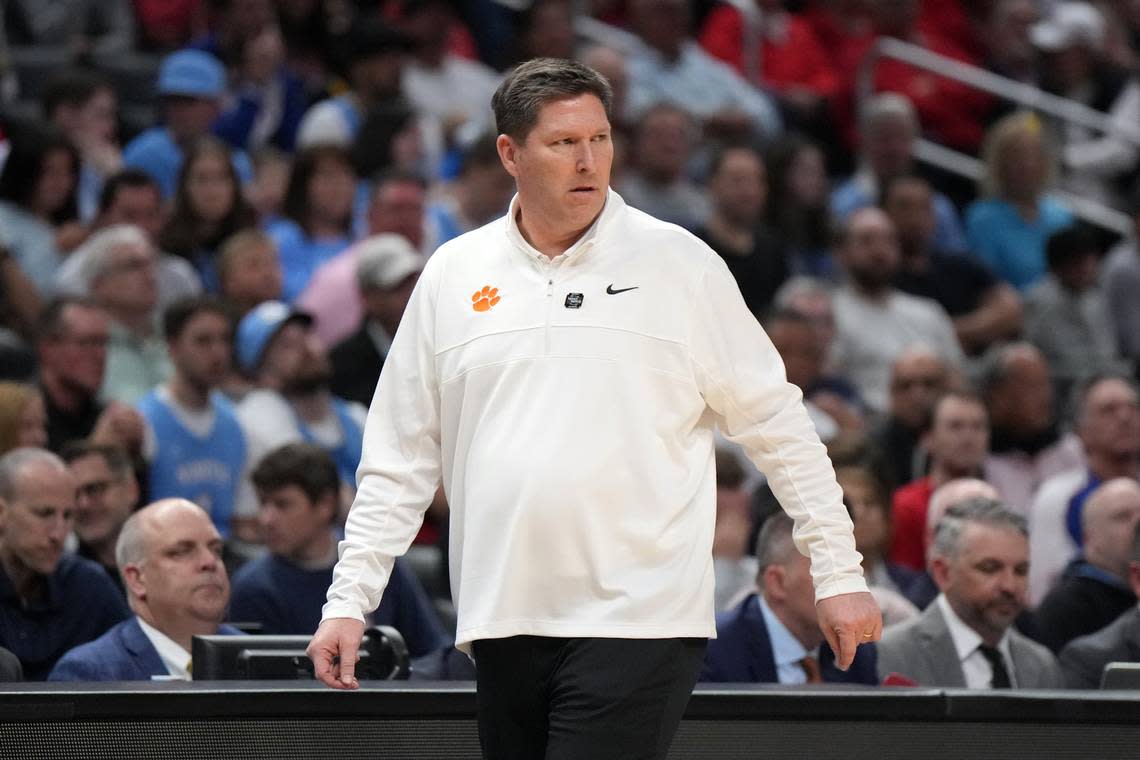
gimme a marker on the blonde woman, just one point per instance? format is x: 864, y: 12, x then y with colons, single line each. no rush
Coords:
x: 23, y: 417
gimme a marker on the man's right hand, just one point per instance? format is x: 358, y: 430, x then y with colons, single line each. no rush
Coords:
x: 333, y: 651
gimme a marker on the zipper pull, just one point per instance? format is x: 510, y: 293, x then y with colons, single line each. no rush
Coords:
x: 550, y: 287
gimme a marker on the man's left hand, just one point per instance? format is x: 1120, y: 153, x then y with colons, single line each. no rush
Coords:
x: 848, y: 620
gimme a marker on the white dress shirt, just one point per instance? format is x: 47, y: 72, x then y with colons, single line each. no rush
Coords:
x: 975, y: 667
x: 173, y: 656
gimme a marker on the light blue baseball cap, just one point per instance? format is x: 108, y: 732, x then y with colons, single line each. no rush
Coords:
x: 259, y: 326
x: 193, y: 73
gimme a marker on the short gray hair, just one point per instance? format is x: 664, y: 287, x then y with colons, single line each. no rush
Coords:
x: 13, y: 464
x: 991, y: 512
x: 130, y: 548
x: 800, y: 285
x: 95, y: 256
x: 539, y: 81
x: 885, y: 106
x: 774, y: 545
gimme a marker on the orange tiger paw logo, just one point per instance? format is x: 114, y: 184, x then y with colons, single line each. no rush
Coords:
x: 484, y: 299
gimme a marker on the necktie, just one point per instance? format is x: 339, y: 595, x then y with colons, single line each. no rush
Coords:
x: 811, y: 669
x: 997, y: 663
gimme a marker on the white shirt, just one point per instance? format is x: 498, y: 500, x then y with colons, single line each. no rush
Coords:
x: 976, y: 669
x: 573, y: 431
x: 173, y: 656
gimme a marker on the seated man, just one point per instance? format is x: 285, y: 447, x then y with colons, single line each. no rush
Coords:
x: 965, y: 639
x: 10, y: 669
x: 107, y: 491
x: 1083, y: 660
x: 774, y: 636
x: 1094, y: 590
x: 298, y: 489
x: 170, y: 555
x: 49, y: 601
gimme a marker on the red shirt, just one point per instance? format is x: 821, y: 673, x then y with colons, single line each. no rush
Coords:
x: 789, y: 52
x: 908, y: 513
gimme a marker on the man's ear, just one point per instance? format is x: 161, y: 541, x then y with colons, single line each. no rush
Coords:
x: 508, y: 154
x: 329, y: 505
x: 772, y: 582
x: 940, y: 571
x: 132, y: 579
x: 3, y: 515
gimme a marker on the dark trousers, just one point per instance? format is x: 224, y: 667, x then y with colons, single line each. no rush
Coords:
x: 577, y: 699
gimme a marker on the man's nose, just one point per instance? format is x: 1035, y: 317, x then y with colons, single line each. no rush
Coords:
x: 586, y: 161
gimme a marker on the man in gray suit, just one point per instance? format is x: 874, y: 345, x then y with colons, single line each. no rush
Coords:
x: 1083, y: 659
x: 965, y: 639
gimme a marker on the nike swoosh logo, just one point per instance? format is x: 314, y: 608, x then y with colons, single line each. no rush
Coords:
x: 613, y: 292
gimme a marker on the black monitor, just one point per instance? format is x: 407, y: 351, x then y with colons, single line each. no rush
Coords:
x: 1121, y: 675
x: 383, y: 656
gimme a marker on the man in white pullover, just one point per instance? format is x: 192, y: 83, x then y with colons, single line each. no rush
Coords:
x: 562, y: 371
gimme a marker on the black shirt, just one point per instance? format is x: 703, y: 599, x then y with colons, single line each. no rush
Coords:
x: 759, y: 273
x: 64, y: 426
x: 958, y: 282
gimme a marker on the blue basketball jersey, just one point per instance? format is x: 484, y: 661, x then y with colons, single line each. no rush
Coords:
x: 347, y: 454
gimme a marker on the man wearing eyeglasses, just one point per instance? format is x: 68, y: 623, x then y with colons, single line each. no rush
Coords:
x: 106, y: 494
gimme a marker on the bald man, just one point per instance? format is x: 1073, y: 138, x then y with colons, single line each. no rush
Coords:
x: 170, y: 556
x: 1094, y: 589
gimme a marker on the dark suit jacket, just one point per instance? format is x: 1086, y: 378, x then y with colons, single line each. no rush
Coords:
x: 356, y: 367
x: 10, y: 669
x: 1083, y: 660
x: 742, y: 651
x: 123, y: 653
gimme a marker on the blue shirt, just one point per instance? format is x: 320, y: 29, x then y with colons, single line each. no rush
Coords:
x: 300, y: 255
x: 208, y: 469
x: 1012, y: 247
x: 156, y: 153
x: 287, y: 600
x: 80, y: 603
x: 347, y: 454
x: 787, y: 651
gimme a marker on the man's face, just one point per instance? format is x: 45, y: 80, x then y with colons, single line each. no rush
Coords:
x: 378, y: 75
x: 870, y: 252
x: 799, y: 346
x: 1023, y: 404
x: 987, y: 579
x: 296, y: 356
x: 78, y: 355
x: 398, y: 207
x: 887, y: 146
x: 1111, y: 420
x: 255, y: 276
x: 201, y: 353
x: 664, y: 141
x: 34, y: 523
x: 291, y: 522
x: 189, y: 118
x: 1110, y: 524
x: 910, y: 205
x: 140, y: 206
x: 563, y: 167
x: 103, y: 500
x: 916, y: 381
x: 661, y: 24
x: 387, y: 306
x: 130, y: 281
x: 740, y: 187
x: 960, y: 435
x: 182, y: 576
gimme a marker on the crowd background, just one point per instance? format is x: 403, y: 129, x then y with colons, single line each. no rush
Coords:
x: 212, y: 214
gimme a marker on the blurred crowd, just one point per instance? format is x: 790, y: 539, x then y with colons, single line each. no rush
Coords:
x: 213, y: 213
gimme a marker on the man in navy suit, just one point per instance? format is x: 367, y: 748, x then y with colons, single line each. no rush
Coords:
x: 170, y: 557
x: 774, y: 636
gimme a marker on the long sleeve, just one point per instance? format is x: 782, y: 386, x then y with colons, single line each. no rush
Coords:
x: 742, y: 379
x: 1108, y: 156
x: 400, y: 465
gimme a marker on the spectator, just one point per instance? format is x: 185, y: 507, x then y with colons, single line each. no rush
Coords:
x: 1107, y: 420
x: 1085, y: 658
x: 208, y: 208
x: 1072, y: 38
x: 734, y: 566
x: 1009, y: 49
x: 332, y: 297
x: 1121, y: 281
x: 82, y: 106
x: 101, y: 28
x: 271, y: 169
x: 890, y: 582
x: 387, y: 269
x: 1027, y: 446
x: 546, y: 28
x: 1066, y: 312
x: 984, y: 310
x: 797, y: 209
x: 480, y: 194
x: 170, y: 556
x: 888, y: 129
x: 375, y: 57
x: 318, y: 211
x: 1008, y: 227
x: 291, y: 371
x: 1094, y: 589
x: 121, y: 265
x: 38, y: 214
x: 10, y: 670
x: 607, y: 61
x: 249, y: 272
x: 918, y: 378
x: 20, y: 304
x: 813, y: 299
x: 23, y: 419
x: 738, y: 189
x: 957, y: 439
x: 668, y: 66
x: 106, y: 494
x: 72, y: 351
x: 192, y: 85
x: 49, y: 601
x: 980, y: 561
x: 298, y: 491
x: 664, y: 140
x: 200, y: 452
x: 773, y: 636
x: 876, y: 321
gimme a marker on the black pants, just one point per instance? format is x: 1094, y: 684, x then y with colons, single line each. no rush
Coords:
x: 583, y: 699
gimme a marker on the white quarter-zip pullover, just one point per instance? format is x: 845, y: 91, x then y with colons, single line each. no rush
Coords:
x: 570, y: 415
